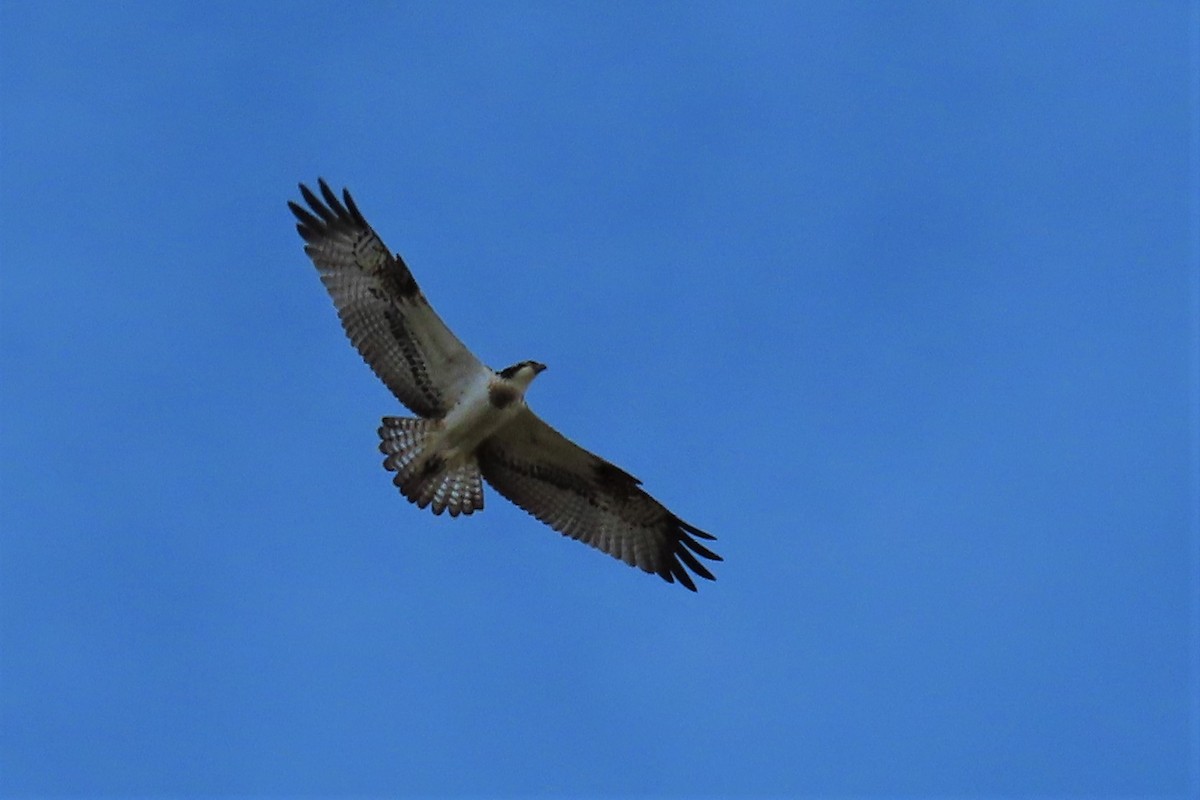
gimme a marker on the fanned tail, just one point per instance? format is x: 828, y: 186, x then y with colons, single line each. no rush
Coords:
x: 423, y: 478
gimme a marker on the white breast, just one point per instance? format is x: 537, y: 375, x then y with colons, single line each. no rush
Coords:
x: 473, y: 419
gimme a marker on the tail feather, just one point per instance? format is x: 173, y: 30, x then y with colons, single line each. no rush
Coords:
x: 422, y: 477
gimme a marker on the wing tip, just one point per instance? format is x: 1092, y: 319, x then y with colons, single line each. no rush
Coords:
x: 325, y: 213
x: 694, y: 531
x: 680, y: 574
x: 682, y: 555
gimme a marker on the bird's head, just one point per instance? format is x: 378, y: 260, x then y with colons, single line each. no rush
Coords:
x: 523, y: 373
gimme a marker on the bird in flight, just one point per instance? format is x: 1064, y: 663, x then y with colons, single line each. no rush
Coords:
x: 472, y: 422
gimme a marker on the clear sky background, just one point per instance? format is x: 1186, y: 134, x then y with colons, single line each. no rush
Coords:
x: 897, y: 299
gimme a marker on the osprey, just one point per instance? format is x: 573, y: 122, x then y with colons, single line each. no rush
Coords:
x: 473, y: 422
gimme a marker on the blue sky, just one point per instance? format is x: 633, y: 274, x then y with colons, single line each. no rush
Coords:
x: 899, y: 300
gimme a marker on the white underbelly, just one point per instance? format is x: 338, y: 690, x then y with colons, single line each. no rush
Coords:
x: 471, y: 421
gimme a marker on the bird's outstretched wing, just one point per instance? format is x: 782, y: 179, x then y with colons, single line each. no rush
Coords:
x: 585, y: 497
x: 381, y: 307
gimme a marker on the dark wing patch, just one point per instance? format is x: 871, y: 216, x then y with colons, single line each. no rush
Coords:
x: 585, y: 497
x: 381, y: 307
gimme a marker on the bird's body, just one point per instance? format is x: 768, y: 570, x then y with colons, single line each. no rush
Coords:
x: 486, y: 406
x: 473, y: 422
